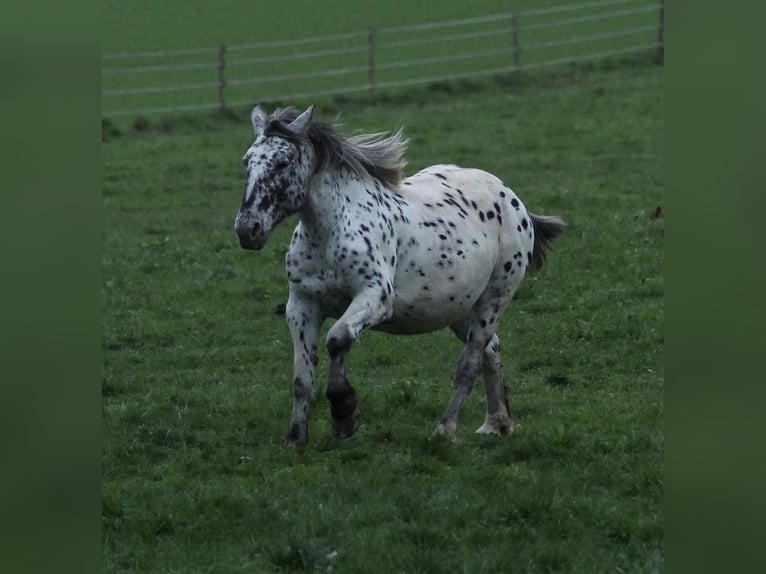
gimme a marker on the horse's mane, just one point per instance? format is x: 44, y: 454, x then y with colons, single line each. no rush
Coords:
x: 379, y: 155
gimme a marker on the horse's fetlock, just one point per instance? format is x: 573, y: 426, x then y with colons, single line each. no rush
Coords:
x: 342, y: 402
x: 346, y: 425
x: 297, y: 435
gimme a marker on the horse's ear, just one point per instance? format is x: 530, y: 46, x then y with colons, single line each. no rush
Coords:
x: 259, y: 119
x: 300, y: 125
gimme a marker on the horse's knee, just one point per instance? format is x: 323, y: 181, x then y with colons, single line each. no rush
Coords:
x: 339, y: 340
x: 302, y: 390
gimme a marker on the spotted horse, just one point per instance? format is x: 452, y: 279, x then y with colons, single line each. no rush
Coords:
x: 445, y: 247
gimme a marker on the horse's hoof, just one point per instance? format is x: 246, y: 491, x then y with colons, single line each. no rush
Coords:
x: 294, y: 444
x: 345, y: 428
x: 446, y: 432
x: 499, y: 426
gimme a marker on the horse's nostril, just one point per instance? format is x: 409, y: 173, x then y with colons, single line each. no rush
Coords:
x: 256, y: 228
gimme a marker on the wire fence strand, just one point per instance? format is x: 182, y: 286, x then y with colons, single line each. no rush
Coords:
x: 377, y: 59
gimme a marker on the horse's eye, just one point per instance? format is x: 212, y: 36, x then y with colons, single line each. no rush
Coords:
x: 281, y: 164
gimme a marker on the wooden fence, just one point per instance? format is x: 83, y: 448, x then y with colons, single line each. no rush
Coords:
x: 377, y: 59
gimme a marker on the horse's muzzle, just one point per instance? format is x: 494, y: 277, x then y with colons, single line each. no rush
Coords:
x: 251, y: 236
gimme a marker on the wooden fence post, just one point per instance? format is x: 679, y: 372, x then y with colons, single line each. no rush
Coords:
x: 221, y: 79
x: 661, y: 35
x: 371, y: 63
x: 516, y: 43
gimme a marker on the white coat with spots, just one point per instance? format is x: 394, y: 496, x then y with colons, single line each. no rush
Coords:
x: 445, y: 247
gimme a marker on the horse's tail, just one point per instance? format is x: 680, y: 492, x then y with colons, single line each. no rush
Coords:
x: 547, y: 228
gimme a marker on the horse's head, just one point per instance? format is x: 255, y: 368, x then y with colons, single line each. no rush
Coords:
x: 278, y: 164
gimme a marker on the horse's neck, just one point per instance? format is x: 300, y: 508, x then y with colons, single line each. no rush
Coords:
x: 329, y: 197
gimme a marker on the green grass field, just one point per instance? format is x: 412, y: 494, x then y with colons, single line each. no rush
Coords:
x: 197, y: 364
x: 174, y: 24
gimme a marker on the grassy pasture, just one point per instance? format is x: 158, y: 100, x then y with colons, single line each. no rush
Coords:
x: 197, y: 364
x: 176, y: 24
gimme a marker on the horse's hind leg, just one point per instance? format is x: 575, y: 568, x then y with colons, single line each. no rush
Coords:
x: 498, y: 419
x: 481, y: 352
x: 465, y: 376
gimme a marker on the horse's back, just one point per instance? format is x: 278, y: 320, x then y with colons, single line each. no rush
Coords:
x: 459, y: 234
x: 471, y: 181
x: 474, y: 201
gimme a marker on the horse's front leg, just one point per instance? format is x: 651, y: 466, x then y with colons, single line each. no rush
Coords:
x: 304, y: 320
x: 366, y: 310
